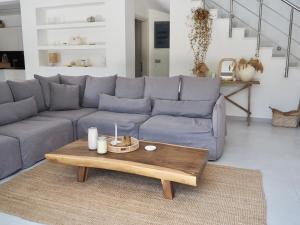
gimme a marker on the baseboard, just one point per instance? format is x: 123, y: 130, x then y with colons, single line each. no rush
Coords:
x: 253, y: 119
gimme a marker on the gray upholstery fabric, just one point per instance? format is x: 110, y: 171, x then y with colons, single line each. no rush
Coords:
x: 193, y: 132
x: 130, y: 88
x: 96, y: 86
x: 192, y: 109
x: 124, y: 105
x: 195, y: 89
x: 16, y: 111
x: 5, y: 93
x: 39, y: 135
x: 72, y: 115
x: 219, y: 125
x: 162, y: 87
x: 10, y: 156
x: 128, y: 124
x: 64, y: 97
x: 44, y: 82
x: 26, y: 89
x: 75, y: 80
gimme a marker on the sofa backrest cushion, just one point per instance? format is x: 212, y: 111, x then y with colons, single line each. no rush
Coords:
x: 96, y: 86
x: 75, y: 80
x: 193, y: 109
x: 203, y: 89
x: 5, y: 93
x: 26, y: 89
x: 130, y: 88
x: 16, y: 111
x: 64, y: 97
x: 162, y: 87
x: 44, y: 82
x: 124, y: 105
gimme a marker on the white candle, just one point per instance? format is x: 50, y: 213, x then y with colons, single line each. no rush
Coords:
x: 92, y: 138
x: 101, y: 145
x: 116, y: 133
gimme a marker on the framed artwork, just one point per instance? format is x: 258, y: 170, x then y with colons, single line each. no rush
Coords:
x: 162, y: 34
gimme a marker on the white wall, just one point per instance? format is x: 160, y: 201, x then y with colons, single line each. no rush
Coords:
x: 119, y: 39
x: 275, y: 90
x: 11, y: 35
x: 162, y: 68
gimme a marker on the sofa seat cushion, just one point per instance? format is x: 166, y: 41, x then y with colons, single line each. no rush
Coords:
x: 72, y: 115
x: 39, y: 135
x: 192, y: 132
x: 10, y: 156
x: 128, y: 124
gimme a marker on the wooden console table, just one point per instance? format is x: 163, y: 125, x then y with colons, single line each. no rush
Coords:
x: 244, y: 85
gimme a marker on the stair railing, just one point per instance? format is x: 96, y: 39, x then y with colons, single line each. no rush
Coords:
x: 292, y: 6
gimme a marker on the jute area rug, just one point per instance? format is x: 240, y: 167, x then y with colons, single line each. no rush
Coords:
x: 49, y: 194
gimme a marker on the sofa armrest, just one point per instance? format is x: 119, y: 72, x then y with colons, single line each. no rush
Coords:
x: 219, y: 118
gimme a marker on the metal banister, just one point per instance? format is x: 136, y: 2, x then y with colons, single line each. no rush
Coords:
x: 292, y: 5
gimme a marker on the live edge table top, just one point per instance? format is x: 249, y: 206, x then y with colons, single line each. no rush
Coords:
x: 169, y: 162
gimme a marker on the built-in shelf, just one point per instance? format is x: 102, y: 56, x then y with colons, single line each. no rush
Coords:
x: 71, y: 25
x: 72, y: 47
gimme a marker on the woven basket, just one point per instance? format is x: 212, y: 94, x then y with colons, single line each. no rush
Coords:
x: 286, y: 119
x: 123, y: 149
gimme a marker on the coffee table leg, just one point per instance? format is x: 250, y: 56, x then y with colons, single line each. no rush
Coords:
x: 168, y: 189
x: 82, y: 174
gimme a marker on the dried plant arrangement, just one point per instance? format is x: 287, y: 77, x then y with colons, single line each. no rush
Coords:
x: 254, y: 62
x: 200, y: 39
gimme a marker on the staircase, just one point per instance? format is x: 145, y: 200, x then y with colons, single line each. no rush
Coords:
x: 232, y: 10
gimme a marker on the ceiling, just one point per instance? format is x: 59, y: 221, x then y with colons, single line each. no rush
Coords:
x: 164, y: 4
x: 9, y: 7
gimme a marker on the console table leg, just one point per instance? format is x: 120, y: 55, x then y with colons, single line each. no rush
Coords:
x: 249, y: 106
x: 82, y: 174
x: 168, y: 189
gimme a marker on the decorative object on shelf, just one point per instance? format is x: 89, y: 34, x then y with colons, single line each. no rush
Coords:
x: 286, y: 119
x: 150, y: 148
x: 53, y: 58
x: 92, y: 138
x: 2, y: 24
x: 75, y: 40
x: 120, y: 147
x: 91, y: 19
x: 200, y: 38
x: 246, y: 70
x: 226, y: 69
x: 102, y: 145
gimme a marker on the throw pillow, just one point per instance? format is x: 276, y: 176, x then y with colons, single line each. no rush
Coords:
x: 124, y: 105
x: 75, y: 80
x: 26, y: 89
x: 45, y: 81
x: 130, y: 88
x: 95, y: 86
x: 64, y: 97
x: 16, y: 111
x: 193, y: 109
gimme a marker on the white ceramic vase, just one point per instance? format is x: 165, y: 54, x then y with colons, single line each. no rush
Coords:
x: 247, y: 73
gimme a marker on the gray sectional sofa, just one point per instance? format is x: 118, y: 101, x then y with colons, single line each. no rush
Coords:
x: 38, y: 116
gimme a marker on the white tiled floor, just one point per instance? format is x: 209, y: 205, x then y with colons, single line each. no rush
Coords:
x: 274, y: 151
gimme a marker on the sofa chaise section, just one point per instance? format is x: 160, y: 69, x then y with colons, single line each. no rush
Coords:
x: 193, y: 132
x: 10, y: 156
x: 128, y: 124
x: 39, y: 135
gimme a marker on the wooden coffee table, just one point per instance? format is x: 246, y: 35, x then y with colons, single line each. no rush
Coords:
x: 169, y: 163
